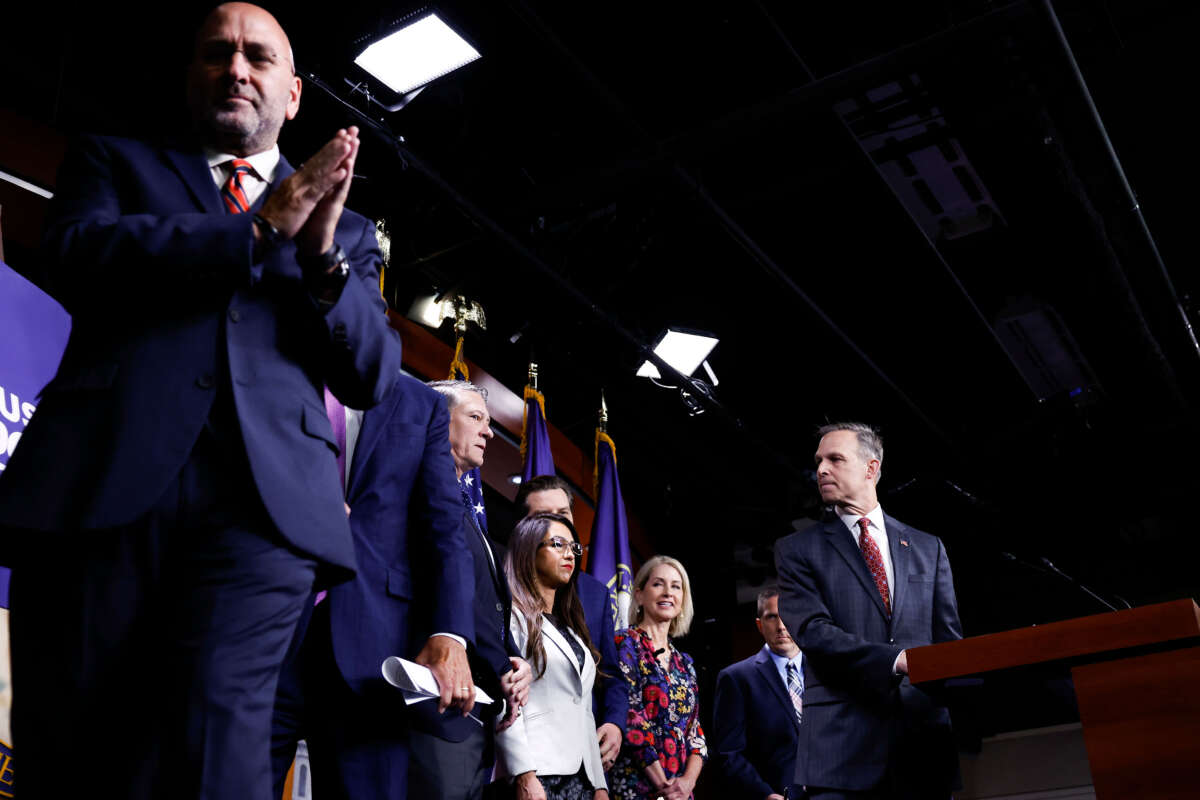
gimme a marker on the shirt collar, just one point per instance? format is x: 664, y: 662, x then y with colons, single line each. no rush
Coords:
x: 781, y: 662
x: 264, y: 163
x: 875, y: 515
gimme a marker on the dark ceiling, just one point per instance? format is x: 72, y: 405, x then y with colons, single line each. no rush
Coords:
x: 902, y: 213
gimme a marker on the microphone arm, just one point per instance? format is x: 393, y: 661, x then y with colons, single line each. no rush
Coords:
x: 1045, y: 566
x: 1050, y: 565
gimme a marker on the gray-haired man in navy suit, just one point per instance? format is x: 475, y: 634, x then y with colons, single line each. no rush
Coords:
x: 856, y: 590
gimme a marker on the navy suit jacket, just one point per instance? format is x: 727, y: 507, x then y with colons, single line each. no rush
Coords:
x: 406, y: 518
x: 858, y: 716
x: 170, y: 311
x: 610, y: 695
x: 756, y: 727
x: 493, y: 644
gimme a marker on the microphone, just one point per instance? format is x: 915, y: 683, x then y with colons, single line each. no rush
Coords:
x: 1050, y: 565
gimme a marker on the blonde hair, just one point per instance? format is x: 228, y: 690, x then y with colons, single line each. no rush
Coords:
x: 682, y: 623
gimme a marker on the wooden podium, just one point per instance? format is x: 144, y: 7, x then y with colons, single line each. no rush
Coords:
x: 1137, y: 682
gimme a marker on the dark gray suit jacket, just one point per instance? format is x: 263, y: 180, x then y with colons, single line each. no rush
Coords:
x: 858, y: 716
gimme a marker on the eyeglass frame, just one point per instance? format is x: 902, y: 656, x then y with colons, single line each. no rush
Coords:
x: 557, y: 542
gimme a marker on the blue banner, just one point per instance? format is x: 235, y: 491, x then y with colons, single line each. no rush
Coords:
x: 34, y: 330
x: 535, y: 437
x: 609, y: 561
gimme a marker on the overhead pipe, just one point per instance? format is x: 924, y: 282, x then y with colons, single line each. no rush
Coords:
x: 1130, y: 195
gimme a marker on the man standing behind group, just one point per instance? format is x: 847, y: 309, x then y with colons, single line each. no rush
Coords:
x: 176, y: 494
x: 856, y: 591
x: 757, y: 712
x: 550, y: 494
x: 414, y: 591
x: 452, y: 757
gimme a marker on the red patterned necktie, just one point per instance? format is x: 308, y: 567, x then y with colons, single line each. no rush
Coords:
x: 874, y: 559
x: 232, y: 192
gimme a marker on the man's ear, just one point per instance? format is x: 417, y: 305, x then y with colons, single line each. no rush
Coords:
x: 293, y: 106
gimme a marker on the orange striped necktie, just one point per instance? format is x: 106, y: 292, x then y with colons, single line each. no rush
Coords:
x: 232, y: 193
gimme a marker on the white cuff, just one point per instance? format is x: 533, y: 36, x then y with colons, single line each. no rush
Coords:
x: 453, y: 636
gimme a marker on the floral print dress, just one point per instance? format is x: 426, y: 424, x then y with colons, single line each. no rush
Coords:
x: 663, y: 723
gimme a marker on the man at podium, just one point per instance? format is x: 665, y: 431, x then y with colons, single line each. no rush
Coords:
x: 857, y: 590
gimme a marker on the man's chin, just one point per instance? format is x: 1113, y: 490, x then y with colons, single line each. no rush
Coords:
x: 232, y: 122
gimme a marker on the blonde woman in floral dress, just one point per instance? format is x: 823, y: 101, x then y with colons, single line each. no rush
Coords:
x: 664, y: 747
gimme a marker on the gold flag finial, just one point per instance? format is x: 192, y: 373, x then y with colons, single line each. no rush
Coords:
x: 463, y: 311
x: 533, y: 375
x: 383, y: 236
x: 467, y: 311
x: 603, y: 414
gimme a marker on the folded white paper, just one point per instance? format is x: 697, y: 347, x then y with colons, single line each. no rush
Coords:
x: 418, y: 684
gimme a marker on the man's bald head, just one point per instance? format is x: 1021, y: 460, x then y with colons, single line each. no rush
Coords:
x: 242, y: 84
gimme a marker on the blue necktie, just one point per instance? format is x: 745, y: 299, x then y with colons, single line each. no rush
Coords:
x: 795, y: 690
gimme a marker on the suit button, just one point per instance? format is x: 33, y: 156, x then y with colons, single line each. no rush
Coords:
x: 205, y: 381
x: 235, y: 315
x: 499, y: 606
x: 891, y: 641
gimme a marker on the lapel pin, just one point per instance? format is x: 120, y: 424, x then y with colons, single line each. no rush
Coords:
x: 904, y: 543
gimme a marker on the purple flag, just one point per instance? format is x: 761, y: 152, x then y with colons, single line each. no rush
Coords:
x: 535, y: 437
x: 34, y: 329
x: 609, y: 560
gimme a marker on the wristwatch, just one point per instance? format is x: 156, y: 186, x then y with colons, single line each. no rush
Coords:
x: 271, y: 235
x: 327, y: 272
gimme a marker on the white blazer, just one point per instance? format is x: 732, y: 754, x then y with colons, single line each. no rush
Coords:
x: 556, y: 731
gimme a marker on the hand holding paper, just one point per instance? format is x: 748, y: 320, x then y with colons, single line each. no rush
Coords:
x: 418, y: 684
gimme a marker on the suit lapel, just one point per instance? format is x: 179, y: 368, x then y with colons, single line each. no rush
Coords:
x: 553, y: 634
x: 481, y: 545
x: 765, y: 666
x: 843, y: 541
x: 373, y: 422
x: 898, y: 538
x: 282, y: 169
x: 192, y: 166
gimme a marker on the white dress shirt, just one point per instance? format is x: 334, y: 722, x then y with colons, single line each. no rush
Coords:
x: 878, y: 532
x: 255, y: 183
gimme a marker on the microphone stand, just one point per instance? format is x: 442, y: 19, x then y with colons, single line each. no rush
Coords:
x: 1045, y: 566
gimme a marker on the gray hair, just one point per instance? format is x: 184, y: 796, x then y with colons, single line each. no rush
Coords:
x: 870, y: 443
x: 765, y: 595
x: 453, y: 390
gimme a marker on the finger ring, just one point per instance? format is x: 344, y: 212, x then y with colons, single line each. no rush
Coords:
x: 465, y: 689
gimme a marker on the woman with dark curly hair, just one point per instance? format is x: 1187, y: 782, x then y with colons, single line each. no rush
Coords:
x: 551, y: 751
x: 664, y: 746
